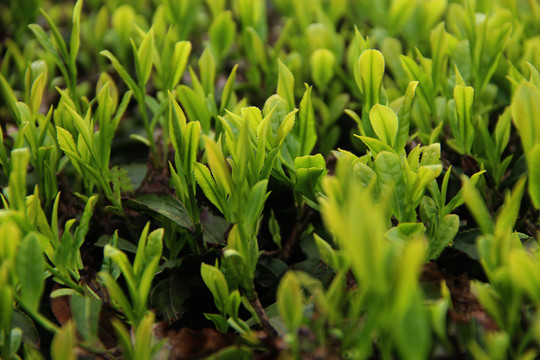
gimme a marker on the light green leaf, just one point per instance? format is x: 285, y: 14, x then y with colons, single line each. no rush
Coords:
x: 464, y: 97
x: 304, y: 129
x: 390, y: 173
x: 289, y: 302
x: 477, y: 206
x: 194, y: 106
x: 534, y: 175
x: 121, y: 71
x: 404, y: 115
x: 285, y: 87
x: 286, y: 126
x: 64, y: 343
x: 180, y: 57
x: 371, y: 66
x: 221, y: 33
x: 75, y: 32
x: 217, y: 163
x: 216, y: 283
x: 145, y: 57
x: 207, y: 69
x: 190, y: 146
x: 322, y: 63
x: 385, y: 123
x: 525, y: 110
x: 228, y: 91
x: 208, y: 185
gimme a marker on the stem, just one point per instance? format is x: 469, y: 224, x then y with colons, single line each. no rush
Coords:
x: 194, y: 211
x: 42, y: 320
x: 72, y: 85
x: 7, y: 339
x: 296, y: 232
x: 261, y: 313
x: 66, y: 280
x: 146, y: 123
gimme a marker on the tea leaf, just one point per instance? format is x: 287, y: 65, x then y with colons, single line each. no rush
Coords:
x: 322, y: 67
x: 64, y: 343
x: 221, y: 34
x: 208, y: 185
x: 371, y: 65
x: 285, y: 87
x: 30, y: 268
x: 385, y: 123
x: 145, y: 57
x: 75, y: 41
x: 534, y: 175
x: 215, y: 281
x: 525, y: 108
x: 289, y: 301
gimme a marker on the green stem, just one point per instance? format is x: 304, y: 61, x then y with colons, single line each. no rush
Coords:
x: 65, y: 279
x: 40, y: 319
x: 7, y: 340
x: 149, y: 133
x: 72, y: 84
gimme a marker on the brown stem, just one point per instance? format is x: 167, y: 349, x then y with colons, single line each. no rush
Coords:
x: 261, y: 313
x: 294, y: 236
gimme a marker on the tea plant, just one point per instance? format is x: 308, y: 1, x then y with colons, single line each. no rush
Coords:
x: 269, y: 179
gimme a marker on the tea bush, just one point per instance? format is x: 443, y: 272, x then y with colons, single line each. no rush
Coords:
x: 270, y: 179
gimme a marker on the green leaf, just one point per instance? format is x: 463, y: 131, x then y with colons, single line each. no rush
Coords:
x: 221, y: 33
x: 286, y: 126
x: 85, y: 312
x: 9, y: 99
x: 216, y: 283
x: 285, y: 87
x: 509, y: 212
x: 477, y: 206
x: 30, y: 268
x: 404, y: 115
x: 190, y: 146
x: 390, y: 172
x: 148, y: 249
x: 82, y: 229
x: 464, y: 97
x: 376, y: 146
x: 385, y: 123
x: 304, y: 129
x: 309, y: 172
x: 371, y: 66
x: 121, y: 71
x: 182, y: 50
x: 253, y: 208
x: 207, y: 68
x: 208, y: 185
x: 289, y: 301
x: 117, y: 295
x: 228, y: 91
x: 121, y: 260
x: 217, y: 163
x: 163, y: 205
x: 75, y: 32
x: 64, y: 343
x: 322, y: 63
x: 525, y: 109
x: 36, y: 93
x: 16, y: 192
x: 145, y: 57
x: 534, y: 175
x: 194, y: 106
x: 446, y: 231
